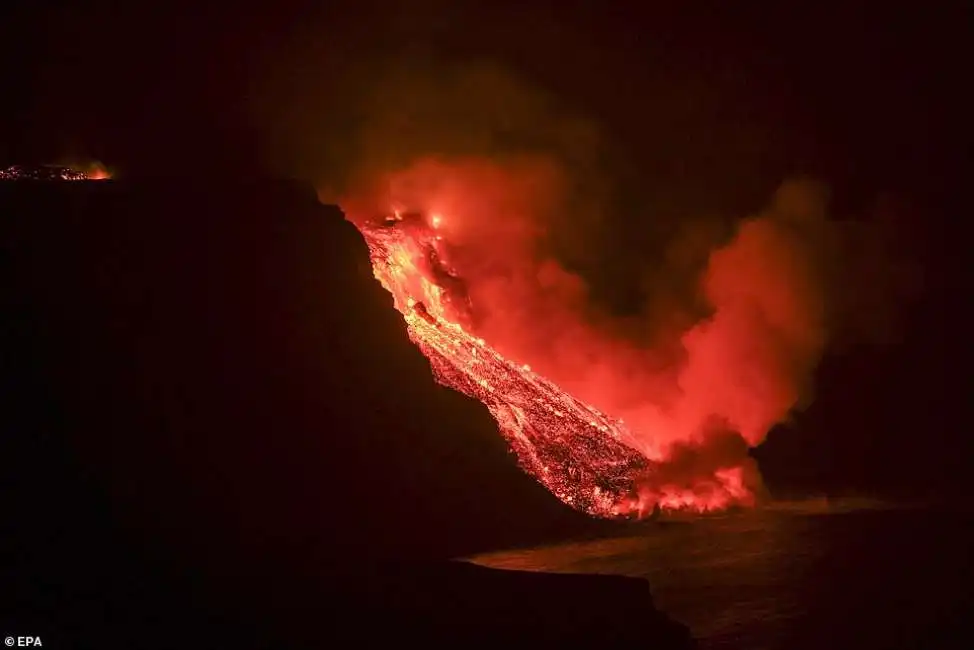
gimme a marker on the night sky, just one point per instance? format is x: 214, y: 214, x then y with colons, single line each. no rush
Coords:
x: 681, y: 113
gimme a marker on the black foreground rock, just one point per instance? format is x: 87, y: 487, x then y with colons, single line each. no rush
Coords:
x: 217, y: 432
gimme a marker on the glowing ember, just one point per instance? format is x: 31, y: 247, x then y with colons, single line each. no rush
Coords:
x: 586, y: 458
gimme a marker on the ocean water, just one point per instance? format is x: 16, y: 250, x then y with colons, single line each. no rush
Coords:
x: 807, y: 575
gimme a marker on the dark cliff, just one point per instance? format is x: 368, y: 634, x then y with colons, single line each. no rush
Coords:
x: 210, y: 400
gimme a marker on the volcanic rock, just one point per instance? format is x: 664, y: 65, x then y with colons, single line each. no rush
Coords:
x: 210, y: 400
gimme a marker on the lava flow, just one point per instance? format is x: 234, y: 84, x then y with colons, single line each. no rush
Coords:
x: 586, y: 458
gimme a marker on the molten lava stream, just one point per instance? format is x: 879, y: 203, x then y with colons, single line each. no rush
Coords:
x: 580, y: 454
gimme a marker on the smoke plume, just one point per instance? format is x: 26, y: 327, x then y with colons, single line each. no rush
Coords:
x: 731, y: 317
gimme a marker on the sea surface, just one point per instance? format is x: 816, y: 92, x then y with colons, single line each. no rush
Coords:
x: 814, y: 574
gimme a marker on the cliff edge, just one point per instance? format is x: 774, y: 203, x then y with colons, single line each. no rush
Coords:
x: 212, y: 400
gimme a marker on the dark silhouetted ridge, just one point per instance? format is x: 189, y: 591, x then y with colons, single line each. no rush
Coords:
x: 217, y: 432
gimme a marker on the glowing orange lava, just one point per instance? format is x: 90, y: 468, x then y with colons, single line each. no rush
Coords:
x: 586, y: 458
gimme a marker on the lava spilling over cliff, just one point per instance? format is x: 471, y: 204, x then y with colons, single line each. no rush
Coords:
x: 588, y: 459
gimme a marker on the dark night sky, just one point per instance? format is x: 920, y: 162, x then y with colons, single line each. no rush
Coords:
x: 702, y: 110
x: 864, y: 97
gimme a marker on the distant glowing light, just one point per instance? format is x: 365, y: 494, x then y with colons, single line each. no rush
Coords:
x: 93, y: 172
